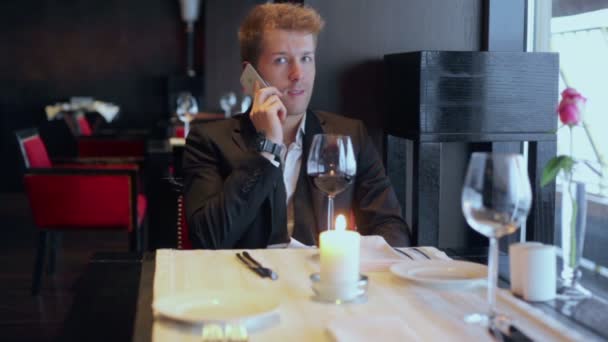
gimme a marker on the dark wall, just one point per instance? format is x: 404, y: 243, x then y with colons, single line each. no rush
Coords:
x: 113, y: 50
x: 350, y: 70
x: 222, y: 56
x: 359, y: 33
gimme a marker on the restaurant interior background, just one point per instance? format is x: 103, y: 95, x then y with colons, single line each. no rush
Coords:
x: 132, y: 52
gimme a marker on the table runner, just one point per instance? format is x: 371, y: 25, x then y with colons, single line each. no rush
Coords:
x: 427, y: 313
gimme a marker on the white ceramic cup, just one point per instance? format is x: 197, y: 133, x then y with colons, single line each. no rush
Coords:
x: 516, y: 265
x: 539, y: 273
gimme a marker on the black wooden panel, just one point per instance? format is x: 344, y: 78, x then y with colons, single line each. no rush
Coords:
x: 397, y: 168
x: 350, y: 78
x: 427, y: 168
x: 541, y: 224
x: 471, y: 92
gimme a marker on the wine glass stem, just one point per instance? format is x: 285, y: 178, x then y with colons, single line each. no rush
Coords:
x: 330, y: 212
x: 492, y: 276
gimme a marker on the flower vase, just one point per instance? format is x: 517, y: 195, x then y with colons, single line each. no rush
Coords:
x: 573, y: 222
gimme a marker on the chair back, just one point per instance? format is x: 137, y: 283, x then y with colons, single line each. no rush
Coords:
x: 183, y: 232
x: 33, y: 150
x: 84, y: 127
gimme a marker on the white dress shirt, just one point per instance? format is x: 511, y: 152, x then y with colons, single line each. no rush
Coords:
x: 291, y: 159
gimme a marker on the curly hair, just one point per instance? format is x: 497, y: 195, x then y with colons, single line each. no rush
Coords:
x: 283, y: 16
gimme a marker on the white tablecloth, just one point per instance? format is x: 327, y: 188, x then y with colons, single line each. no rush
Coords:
x: 422, y: 313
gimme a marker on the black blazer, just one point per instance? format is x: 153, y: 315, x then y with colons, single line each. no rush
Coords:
x: 235, y: 198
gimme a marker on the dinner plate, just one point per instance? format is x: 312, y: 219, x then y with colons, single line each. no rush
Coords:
x: 217, y: 307
x: 441, y: 272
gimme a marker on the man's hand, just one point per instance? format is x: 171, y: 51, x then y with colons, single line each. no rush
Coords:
x: 268, y: 112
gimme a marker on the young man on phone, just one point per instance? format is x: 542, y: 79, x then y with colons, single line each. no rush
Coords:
x: 245, y: 177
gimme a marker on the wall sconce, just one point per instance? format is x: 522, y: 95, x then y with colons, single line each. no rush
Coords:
x: 189, y: 11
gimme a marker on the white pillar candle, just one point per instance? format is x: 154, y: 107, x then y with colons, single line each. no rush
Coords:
x: 340, y: 259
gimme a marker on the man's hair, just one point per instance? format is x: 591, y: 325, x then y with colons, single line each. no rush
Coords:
x: 284, y: 16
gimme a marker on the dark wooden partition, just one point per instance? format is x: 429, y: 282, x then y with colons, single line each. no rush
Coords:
x: 443, y: 105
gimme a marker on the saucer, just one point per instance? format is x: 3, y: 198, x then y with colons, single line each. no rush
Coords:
x: 330, y: 294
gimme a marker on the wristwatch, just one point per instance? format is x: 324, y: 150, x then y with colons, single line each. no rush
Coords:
x: 265, y: 145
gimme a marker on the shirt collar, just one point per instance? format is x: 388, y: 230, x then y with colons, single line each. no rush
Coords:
x: 301, y: 130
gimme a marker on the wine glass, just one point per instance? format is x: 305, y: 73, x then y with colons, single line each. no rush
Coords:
x: 227, y: 101
x: 496, y: 199
x: 187, y: 107
x: 332, y: 167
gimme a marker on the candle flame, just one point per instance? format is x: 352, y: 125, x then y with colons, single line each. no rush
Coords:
x: 340, y: 222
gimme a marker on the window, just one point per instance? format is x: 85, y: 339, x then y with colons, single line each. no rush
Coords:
x: 580, y: 35
x: 582, y: 43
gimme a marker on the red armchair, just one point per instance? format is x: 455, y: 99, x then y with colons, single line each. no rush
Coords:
x: 74, y: 197
x: 93, y: 145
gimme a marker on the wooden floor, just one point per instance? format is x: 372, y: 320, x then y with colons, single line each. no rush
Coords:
x: 24, y: 317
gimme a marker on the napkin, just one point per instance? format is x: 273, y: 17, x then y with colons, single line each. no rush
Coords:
x: 293, y: 243
x: 377, y: 254
x: 371, y: 328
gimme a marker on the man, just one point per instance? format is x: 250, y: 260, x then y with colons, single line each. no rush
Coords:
x: 238, y: 193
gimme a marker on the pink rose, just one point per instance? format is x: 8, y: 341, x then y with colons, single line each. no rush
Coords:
x: 571, y: 107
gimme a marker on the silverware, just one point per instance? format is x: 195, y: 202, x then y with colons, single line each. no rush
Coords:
x: 497, y: 334
x: 419, y: 251
x: 514, y: 334
x: 402, y: 252
x: 518, y: 335
x: 254, y: 268
x: 265, y: 270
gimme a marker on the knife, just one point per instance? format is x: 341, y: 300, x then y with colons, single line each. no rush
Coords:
x: 265, y: 270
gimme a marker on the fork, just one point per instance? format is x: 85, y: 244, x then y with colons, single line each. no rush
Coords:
x: 403, y: 252
x: 419, y: 251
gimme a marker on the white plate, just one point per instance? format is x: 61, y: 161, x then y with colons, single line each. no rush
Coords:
x: 445, y: 273
x: 218, y: 307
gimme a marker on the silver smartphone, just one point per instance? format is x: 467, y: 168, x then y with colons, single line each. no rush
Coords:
x: 248, y: 78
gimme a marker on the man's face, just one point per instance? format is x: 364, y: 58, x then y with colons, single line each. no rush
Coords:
x: 287, y: 62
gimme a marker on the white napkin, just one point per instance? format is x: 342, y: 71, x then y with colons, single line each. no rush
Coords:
x: 293, y: 243
x: 297, y: 244
x: 371, y: 328
x: 377, y: 254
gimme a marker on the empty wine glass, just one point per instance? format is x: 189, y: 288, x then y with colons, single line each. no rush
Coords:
x: 496, y: 199
x: 227, y: 101
x: 187, y: 107
x: 332, y: 167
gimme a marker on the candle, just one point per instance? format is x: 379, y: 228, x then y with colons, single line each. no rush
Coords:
x: 340, y: 259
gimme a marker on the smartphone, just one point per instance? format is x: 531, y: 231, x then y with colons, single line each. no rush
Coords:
x: 248, y: 78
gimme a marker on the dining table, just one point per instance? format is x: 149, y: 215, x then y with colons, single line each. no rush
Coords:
x: 171, y: 284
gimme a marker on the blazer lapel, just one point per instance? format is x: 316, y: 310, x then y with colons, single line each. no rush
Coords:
x: 243, y: 133
x: 307, y: 225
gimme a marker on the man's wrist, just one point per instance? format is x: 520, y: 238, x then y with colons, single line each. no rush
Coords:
x: 263, y: 144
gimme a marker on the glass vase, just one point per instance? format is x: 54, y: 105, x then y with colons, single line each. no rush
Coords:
x: 573, y: 222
